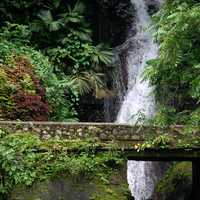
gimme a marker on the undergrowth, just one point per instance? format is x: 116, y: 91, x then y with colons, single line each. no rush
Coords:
x: 26, y: 159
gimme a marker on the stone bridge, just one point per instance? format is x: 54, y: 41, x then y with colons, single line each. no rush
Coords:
x: 127, y: 137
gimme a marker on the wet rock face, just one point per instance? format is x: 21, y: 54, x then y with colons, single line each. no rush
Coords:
x: 176, y: 184
x: 153, y: 6
x: 111, y: 20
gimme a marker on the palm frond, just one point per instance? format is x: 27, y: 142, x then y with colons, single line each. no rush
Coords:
x: 46, y: 16
x: 79, y: 7
x: 56, y: 3
x: 102, y: 55
x: 55, y: 25
x: 80, y: 84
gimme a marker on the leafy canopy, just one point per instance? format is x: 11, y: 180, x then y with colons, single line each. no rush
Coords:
x: 176, y: 72
x: 73, y: 66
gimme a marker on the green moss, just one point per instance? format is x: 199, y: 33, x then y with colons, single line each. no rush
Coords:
x: 71, y: 188
x: 57, y: 188
x: 177, y: 182
x: 111, y: 193
x: 115, y: 189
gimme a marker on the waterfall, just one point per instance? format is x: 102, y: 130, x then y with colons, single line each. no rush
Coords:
x: 139, y: 101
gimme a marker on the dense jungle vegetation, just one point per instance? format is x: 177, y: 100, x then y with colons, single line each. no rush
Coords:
x: 48, y: 60
x: 175, y: 74
x: 51, y: 58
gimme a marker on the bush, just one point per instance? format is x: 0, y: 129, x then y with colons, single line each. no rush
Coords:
x: 175, y: 73
x: 26, y: 76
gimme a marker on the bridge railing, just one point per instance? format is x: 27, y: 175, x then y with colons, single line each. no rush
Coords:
x: 104, y: 131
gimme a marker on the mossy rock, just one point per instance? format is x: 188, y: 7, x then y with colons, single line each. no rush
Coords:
x: 55, y: 189
x: 177, y: 182
x: 81, y: 188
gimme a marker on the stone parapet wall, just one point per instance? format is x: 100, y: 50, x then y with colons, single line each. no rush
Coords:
x: 103, y: 131
x: 125, y: 137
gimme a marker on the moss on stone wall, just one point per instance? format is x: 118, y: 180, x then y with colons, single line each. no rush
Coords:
x: 65, y: 187
x: 177, y: 183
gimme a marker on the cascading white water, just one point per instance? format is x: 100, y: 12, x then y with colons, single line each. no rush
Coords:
x: 141, y: 176
x: 139, y: 98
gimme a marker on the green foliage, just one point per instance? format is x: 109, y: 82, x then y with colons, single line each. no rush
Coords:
x: 25, y: 159
x: 62, y: 99
x: 171, y: 138
x: 5, y: 90
x: 82, y: 62
x: 166, y: 116
x: 3, y: 133
x: 175, y: 73
x: 66, y: 38
x: 59, y: 30
x: 8, y: 52
x: 15, y: 33
x: 161, y: 142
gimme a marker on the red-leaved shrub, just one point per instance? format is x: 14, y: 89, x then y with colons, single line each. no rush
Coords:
x: 27, y: 96
x: 29, y: 107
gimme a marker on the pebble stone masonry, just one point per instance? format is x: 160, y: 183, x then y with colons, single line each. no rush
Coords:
x: 103, y: 131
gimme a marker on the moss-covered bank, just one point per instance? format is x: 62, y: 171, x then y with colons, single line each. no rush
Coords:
x: 36, y: 169
x: 70, y: 188
x: 177, y: 182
